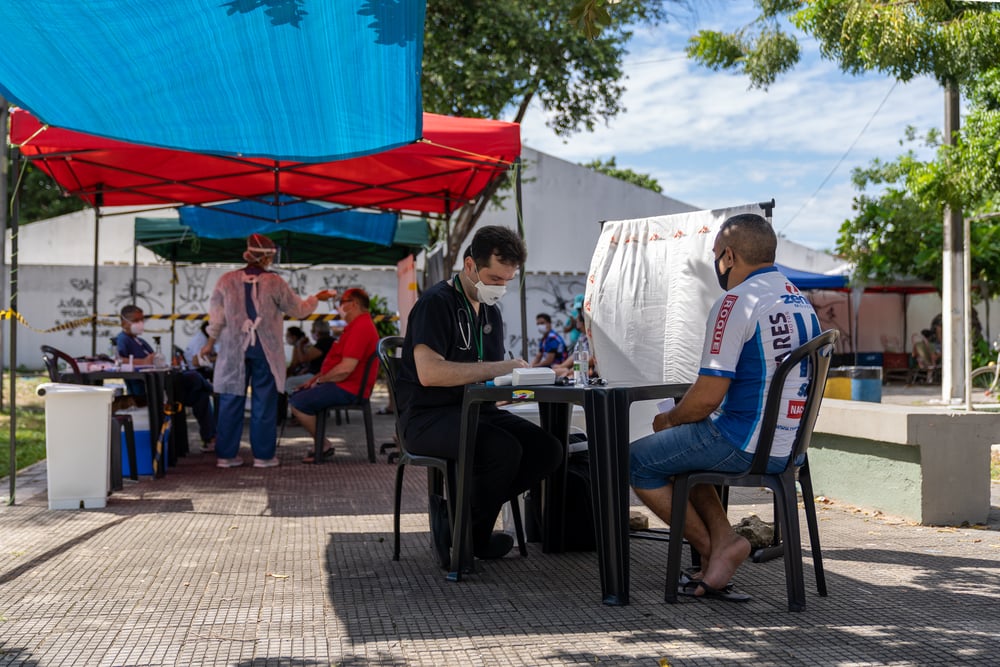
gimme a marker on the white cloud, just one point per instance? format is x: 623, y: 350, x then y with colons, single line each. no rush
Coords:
x: 710, y: 141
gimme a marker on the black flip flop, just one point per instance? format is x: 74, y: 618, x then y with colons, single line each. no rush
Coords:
x: 327, y: 454
x: 687, y: 578
x: 690, y: 589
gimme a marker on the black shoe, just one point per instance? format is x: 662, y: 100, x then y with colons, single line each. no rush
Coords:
x: 499, y: 546
x: 440, y: 530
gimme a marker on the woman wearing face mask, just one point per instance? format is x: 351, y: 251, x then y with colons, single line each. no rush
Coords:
x: 246, y: 326
x: 551, y: 346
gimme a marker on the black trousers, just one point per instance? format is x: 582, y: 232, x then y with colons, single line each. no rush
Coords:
x: 512, y: 455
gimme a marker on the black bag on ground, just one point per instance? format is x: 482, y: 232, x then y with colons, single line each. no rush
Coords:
x: 580, y: 530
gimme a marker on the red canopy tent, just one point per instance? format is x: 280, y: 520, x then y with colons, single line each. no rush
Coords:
x: 454, y: 161
x: 451, y: 165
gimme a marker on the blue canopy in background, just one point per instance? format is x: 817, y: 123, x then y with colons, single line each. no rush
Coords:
x: 285, y: 79
x: 808, y: 280
x: 240, y: 219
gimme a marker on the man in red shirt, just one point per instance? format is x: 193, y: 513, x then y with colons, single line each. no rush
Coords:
x: 339, y: 379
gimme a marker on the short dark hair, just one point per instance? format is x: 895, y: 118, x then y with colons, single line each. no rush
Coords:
x: 129, y: 310
x: 320, y: 326
x: 297, y: 332
x: 357, y: 295
x: 493, y: 240
x: 544, y: 316
x: 750, y: 236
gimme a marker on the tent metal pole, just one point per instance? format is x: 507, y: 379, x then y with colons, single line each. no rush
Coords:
x: 135, y: 266
x: 15, y: 211
x: 173, y: 308
x: 98, y: 200
x: 520, y: 232
x: 3, y: 220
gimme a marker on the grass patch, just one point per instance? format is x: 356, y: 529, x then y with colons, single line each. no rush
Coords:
x: 995, y: 465
x: 30, y: 436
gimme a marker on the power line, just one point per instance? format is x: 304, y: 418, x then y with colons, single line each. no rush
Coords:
x: 842, y: 157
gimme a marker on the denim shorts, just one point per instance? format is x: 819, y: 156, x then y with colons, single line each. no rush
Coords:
x: 319, y: 397
x: 653, y: 460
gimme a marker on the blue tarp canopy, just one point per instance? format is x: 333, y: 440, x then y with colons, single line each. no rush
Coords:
x: 808, y: 280
x: 240, y: 219
x: 307, y: 244
x: 282, y: 79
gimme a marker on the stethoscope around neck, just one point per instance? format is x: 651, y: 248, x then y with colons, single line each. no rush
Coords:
x: 469, y: 316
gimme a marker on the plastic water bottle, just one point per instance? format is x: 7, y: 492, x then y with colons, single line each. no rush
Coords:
x: 581, y: 362
x: 159, y: 361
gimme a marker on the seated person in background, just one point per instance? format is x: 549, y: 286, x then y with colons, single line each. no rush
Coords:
x: 926, y: 354
x: 924, y: 351
x: 301, y: 347
x: 195, y: 390
x: 310, y: 356
x: 551, y: 348
x: 193, y: 350
x: 760, y: 318
x: 306, y: 360
x: 324, y: 341
x: 570, y: 329
x: 339, y: 379
x: 565, y: 369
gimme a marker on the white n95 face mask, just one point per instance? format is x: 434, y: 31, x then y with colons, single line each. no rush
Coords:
x: 542, y: 329
x: 137, y: 327
x: 489, y: 294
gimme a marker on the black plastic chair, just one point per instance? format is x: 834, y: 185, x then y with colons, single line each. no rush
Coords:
x: 363, y: 403
x: 441, y: 472
x: 816, y: 356
x: 51, y: 357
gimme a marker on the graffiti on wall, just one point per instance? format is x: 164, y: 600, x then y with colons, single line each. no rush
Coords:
x: 554, y: 296
x: 144, y: 297
x: 78, y: 303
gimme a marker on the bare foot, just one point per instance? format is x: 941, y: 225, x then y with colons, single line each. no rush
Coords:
x: 725, y: 561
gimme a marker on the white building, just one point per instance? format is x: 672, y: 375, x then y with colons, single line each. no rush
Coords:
x: 563, y: 205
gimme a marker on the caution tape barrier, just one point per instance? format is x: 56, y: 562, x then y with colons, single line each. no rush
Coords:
x: 114, y: 320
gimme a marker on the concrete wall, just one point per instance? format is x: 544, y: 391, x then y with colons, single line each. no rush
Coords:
x: 51, y: 295
x: 926, y: 464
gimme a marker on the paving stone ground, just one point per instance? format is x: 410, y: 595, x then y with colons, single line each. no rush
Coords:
x: 293, y: 566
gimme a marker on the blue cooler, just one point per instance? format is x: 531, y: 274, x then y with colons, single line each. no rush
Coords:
x: 866, y: 383
x: 143, y: 443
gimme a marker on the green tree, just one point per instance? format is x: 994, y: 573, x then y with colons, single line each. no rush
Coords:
x: 484, y: 58
x: 41, y: 197
x: 955, y: 42
x: 611, y: 168
x: 898, y: 229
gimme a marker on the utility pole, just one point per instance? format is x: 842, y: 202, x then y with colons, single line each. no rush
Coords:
x: 955, y: 288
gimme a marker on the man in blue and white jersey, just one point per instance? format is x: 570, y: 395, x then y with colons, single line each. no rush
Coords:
x: 751, y: 328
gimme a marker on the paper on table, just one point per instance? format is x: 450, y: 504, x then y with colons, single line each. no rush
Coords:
x: 665, y: 405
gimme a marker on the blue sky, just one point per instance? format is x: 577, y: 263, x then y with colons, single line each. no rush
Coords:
x: 712, y: 142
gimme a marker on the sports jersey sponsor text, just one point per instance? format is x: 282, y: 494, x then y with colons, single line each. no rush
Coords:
x: 796, y: 409
x: 719, y: 330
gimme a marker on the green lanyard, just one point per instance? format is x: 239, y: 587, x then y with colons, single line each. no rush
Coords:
x: 472, y: 318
